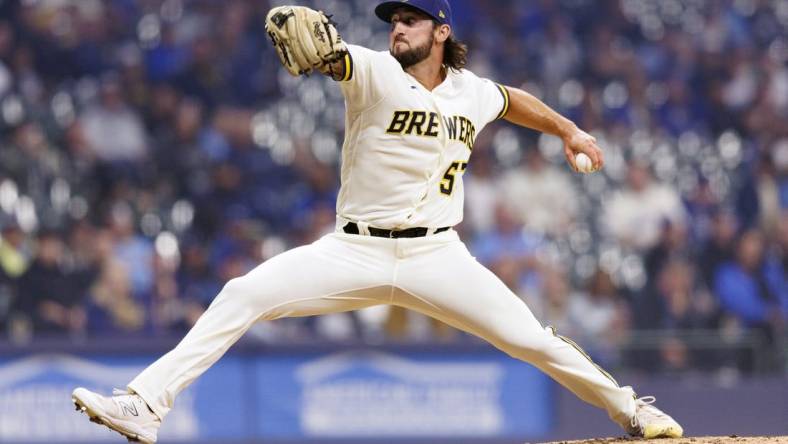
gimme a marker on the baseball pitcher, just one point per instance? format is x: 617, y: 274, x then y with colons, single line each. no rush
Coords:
x: 412, y: 115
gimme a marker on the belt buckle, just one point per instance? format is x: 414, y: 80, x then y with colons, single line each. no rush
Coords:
x: 392, y: 234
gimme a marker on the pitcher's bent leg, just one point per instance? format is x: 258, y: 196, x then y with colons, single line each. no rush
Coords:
x: 464, y: 294
x: 275, y: 289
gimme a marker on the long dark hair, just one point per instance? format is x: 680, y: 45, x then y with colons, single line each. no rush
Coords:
x: 455, y: 54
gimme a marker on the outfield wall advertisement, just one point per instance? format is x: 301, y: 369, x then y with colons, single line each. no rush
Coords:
x: 293, y: 397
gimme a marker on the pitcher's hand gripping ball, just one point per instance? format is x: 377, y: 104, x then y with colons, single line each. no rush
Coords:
x: 584, y: 163
x: 304, y: 39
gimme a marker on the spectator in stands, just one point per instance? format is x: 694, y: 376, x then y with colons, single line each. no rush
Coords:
x: 758, y: 200
x: 673, y: 244
x: 133, y: 251
x: 683, y: 306
x: 601, y: 317
x: 507, y: 238
x: 635, y: 214
x: 702, y: 204
x: 768, y: 191
x: 681, y: 112
x: 84, y: 264
x: 32, y: 161
x: 196, y: 280
x: 540, y: 195
x: 14, y: 249
x: 112, y: 308
x: 752, y: 288
x: 114, y: 130
x: 202, y: 76
x: 675, y: 305
x: 551, y: 302
x: 14, y: 261
x: 652, y: 304
x: 48, y: 294
x: 719, y: 248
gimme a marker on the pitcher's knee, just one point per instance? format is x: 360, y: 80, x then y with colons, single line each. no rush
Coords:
x: 231, y: 289
x: 239, y: 291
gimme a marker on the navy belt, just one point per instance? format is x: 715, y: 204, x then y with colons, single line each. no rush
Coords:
x: 352, y: 228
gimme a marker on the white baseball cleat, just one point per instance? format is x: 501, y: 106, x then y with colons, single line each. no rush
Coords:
x: 122, y: 412
x: 650, y: 422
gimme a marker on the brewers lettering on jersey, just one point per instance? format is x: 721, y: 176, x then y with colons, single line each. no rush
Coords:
x: 413, y: 113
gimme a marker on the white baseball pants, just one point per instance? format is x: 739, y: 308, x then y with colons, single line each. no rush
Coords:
x: 434, y: 275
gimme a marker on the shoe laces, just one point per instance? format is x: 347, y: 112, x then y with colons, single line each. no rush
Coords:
x: 119, y: 395
x: 645, y: 411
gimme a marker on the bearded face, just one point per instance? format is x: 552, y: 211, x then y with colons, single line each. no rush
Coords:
x: 408, y: 56
x: 411, y: 37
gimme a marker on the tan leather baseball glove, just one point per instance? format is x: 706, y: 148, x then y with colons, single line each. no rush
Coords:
x: 305, y: 39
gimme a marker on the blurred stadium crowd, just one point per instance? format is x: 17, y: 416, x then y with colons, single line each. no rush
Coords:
x: 151, y: 150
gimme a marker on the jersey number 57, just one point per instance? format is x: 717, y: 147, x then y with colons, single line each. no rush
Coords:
x: 447, y: 183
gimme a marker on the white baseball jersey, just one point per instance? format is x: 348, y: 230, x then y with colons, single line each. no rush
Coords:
x: 406, y: 147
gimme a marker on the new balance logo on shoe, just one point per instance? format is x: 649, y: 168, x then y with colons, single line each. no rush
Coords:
x: 128, y: 409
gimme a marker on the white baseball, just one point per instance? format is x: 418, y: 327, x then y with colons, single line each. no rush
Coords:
x: 584, y: 163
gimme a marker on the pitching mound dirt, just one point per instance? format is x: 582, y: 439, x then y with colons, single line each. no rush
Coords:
x: 689, y: 440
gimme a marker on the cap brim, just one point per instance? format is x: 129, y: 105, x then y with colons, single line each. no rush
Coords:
x: 385, y: 10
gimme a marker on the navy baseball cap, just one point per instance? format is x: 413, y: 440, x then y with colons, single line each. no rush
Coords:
x: 439, y: 10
